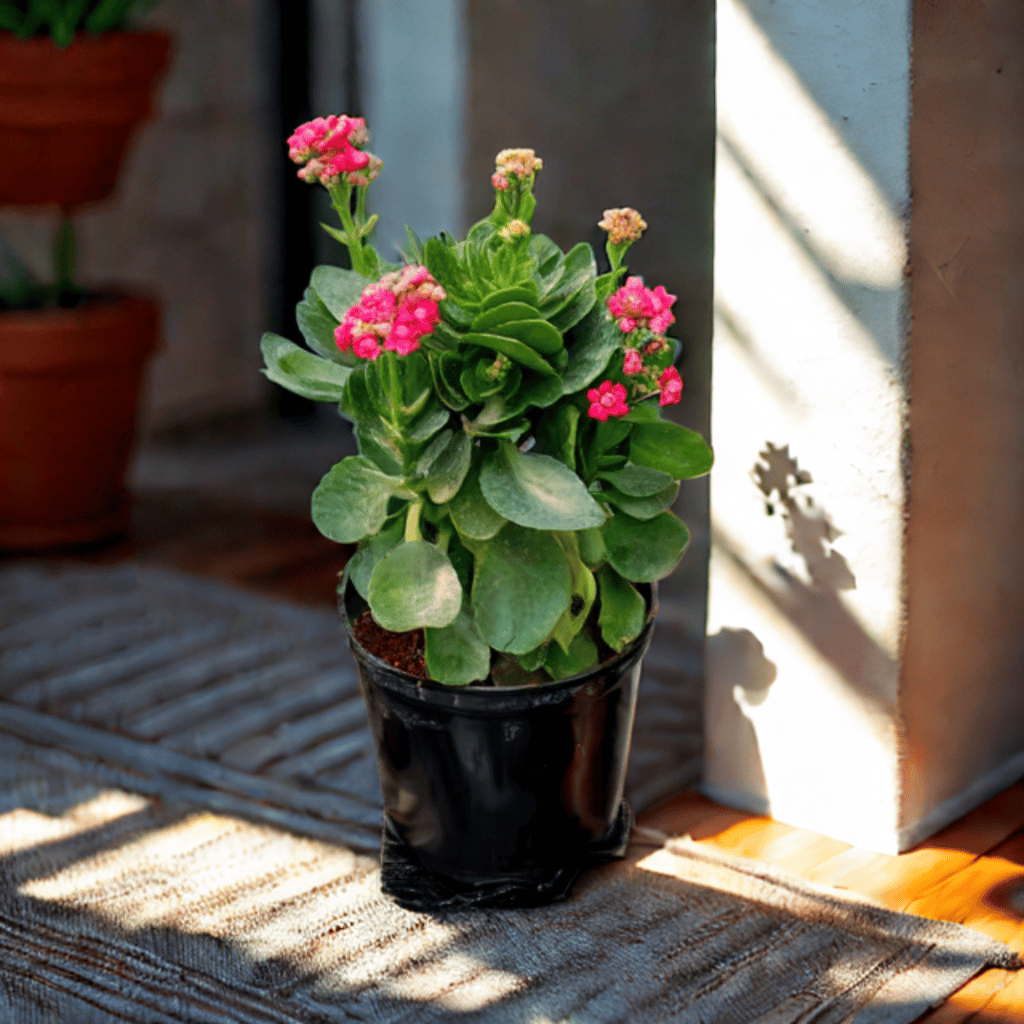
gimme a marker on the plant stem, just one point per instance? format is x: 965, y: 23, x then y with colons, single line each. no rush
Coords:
x: 341, y: 199
x: 444, y: 537
x: 412, y: 521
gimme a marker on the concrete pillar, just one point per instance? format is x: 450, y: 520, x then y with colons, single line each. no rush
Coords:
x: 867, y: 598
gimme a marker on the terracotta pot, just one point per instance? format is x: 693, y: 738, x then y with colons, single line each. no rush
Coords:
x: 498, y: 797
x: 69, y: 389
x: 66, y: 116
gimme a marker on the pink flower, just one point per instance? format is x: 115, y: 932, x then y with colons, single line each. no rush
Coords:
x: 375, y: 304
x: 341, y: 161
x: 332, y: 146
x: 632, y: 300
x: 412, y: 276
x: 607, y: 400
x: 366, y: 347
x: 303, y: 142
x: 633, y: 362
x: 671, y: 386
x: 499, y: 181
x: 397, y: 311
x: 343, y: 336
x: 635, y: 306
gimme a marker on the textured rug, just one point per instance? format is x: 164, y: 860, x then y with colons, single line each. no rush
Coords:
x: 188, y: 817
x: 114, y: 908
x: 179, y: 686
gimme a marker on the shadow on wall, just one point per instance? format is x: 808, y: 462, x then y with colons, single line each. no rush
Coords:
x: 739, y: 676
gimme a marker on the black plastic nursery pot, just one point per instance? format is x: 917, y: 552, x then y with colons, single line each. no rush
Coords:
x: 499, y: 796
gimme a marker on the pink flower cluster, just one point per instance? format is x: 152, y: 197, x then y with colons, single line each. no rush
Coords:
x: 395, y: 313
x: 607, y: 400
x: 669, y: 385
x: 635, y: 306
x: 329, y: 147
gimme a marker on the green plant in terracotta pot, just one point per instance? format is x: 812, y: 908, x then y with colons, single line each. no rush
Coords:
x: 511, y: 502
x: 73, y: 88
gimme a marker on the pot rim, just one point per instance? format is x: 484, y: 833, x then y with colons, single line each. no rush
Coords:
x: 492, y: 698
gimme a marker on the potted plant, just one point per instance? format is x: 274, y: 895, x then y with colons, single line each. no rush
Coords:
x: 511, y: 505
x: 73, y: 87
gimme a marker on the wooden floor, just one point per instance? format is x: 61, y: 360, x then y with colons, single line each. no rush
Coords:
x: 972, y: 872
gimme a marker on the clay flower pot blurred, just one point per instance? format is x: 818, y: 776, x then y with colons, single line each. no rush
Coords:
x: 69, y: 388
x: 66, y: 116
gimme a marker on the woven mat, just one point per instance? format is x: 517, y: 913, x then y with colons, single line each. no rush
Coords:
x: 120, y: 900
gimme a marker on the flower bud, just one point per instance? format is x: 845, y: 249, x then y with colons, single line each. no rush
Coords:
x: 515, y: 229
x: 520, y: 162
x: 623, y: 224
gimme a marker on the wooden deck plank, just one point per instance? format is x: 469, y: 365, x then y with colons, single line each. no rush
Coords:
x: 971, y: 999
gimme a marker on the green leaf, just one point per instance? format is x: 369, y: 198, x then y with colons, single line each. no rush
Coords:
x: 443, y: 263
x: 107, y: 15
x: 499, y: 408
x: 582, y: 654
x: 525, y: 292
x: 505, y: 313
x: 509, y: 431
x: 413, y: 246
x: 414, y: 585
x: 594, y: 341
x: 371, y: 551
x: 446, y: 368
x: 591, y: 544
x: 302, y: 372
x: 338, y: 289
x: 455, y: 315
x: 10, y: 17
x: 317, y: 325
x: 584, y: 590
x: 556, y: 433
x: 522, y: 585
x: 449, y: 470
x: 641, y: 508
x: 351, y: 501
x: 537, y: 491
x: 538, y: 334
x: 430, y: 421
x: 575, y: 309
x: 515, y: 350
x: 673, y: 449
x: 646, y: 412
x: 623, y: 610
x: 637, y: 481
x: 379, y: 446
x: 578, y: 273
x: 532, y: 660
x: 457, y: 654
x: 610, y: 434
x: 432, y: 452
x: 469, y: 510
x: 645, y: 551
x: 548, y: 256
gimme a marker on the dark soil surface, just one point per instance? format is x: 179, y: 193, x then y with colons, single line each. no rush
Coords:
x: 402, y: 650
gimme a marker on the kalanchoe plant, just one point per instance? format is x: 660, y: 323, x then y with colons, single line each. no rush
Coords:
x: 515, y: 477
